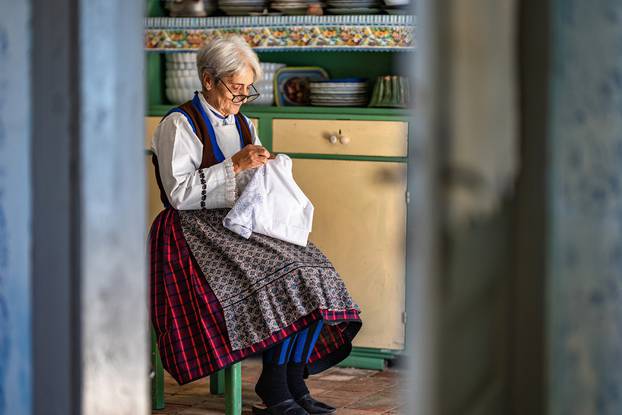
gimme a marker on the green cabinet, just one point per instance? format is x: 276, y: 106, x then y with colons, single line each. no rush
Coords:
x: 346, y: 46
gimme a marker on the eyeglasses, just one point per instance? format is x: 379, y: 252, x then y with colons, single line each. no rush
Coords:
x: 237, y: 98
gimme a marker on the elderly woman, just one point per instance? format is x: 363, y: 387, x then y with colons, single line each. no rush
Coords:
x: 217, y: 297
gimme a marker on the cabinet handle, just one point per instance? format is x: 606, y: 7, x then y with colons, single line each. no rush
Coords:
x: 333, y: 139
x: 344, y: 139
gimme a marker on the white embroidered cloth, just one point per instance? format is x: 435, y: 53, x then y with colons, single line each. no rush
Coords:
x: 272, y: 204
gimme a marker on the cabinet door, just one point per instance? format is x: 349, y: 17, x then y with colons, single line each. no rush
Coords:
x: 360, y: 224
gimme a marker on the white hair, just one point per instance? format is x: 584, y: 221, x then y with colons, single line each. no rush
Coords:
x: 224, y: 56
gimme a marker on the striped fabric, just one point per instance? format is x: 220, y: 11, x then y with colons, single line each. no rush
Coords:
x: 189, y: 322
x: 296, y: 348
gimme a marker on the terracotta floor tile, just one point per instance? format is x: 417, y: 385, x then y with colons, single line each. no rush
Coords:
x: 337, y: 377
x: 339, y: 399
x: 357, y: 385
x: 188, y: 400
x: 380, y: 402
x: 170, y: 409
x: 352, y: 391
x: 348, y: 411
x: 199, y: 411
x: 315, y: 390
x: 397, y: 411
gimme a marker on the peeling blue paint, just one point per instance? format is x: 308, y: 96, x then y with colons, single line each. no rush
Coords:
x: 4, y: 309
x: 15, y: 200
x: 585, y: 267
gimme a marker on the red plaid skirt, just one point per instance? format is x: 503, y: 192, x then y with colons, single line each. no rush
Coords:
x: 189, y: 322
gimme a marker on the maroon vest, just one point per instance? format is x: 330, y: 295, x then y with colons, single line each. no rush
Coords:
x: 208, y: 158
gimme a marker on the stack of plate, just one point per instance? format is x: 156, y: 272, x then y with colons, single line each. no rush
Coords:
x: 353, y: 6
x: 291, y: 7
x: 265, y: 85
x: 398, y: 6
x: 348, y: 92
x: 181, y: 77
x: 242, y: 7
x: 190, y: 8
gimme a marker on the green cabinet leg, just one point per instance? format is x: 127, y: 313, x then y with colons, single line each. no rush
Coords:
x: 217, y: 383
x: 233, y: 389
x: 157, y: 383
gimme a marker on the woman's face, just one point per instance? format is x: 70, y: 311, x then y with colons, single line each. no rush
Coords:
x: 220, y: 98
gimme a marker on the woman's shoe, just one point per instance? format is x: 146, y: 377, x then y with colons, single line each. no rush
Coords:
x: 288, y: 407
x: 315, y: 407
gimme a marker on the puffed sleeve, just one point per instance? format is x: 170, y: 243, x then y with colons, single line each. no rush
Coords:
x: 179, y: 152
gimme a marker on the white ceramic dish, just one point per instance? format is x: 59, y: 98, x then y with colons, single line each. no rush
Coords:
x: 183, y: 82
x: 270, y: 66
x: 338, y: 90
x: 179, y: 95
x: 336, y: 99
x: 243, y: 2
x: 353, y: 4
x: 181, y: 73
x: 398, y: 10
x: 178, y: 9
x: 353, y: 11
x: 267, y: 99
x: 180, y: 65
x: 342, y: 95
x: 181, y: 57
x: 397, y: 2
x: 338, y: 104
x: 338, y: 87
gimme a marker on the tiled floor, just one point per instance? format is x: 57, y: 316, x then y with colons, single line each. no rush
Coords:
x: 352, y: 391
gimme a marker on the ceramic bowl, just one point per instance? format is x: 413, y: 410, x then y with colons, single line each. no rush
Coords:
x: 264, y: 99
x: 182, y: 57
x: 271, y: 67
x: 183, y: 82
x: 396, y: 2
x: 189, y: 8
x: 180, y: 65
x: 179, y: 95
x: 181, y: 73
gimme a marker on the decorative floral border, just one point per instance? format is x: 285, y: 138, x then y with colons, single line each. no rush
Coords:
x: 374, y: 33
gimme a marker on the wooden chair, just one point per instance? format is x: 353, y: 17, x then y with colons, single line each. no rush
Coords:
x: 227, y: 382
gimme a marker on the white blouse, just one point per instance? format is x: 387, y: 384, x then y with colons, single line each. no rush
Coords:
x: 179, y: 152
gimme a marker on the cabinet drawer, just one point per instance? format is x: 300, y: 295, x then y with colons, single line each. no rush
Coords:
x: 362, y: 138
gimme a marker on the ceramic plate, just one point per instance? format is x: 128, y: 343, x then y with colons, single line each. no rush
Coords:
x: 291, y: 84
x: 242, y: 2
x: 238, y: 11
x: 353, y: 11
x: 266, y: 14
x: 328, y: 88
x: 337, y: 94
x: 352, y: 4
x: 335, y: 101
x: 397, y: 11
x: 335, y: 104
x: 338, y: 98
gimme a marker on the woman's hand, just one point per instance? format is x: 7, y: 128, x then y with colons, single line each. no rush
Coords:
x: 250, y: 157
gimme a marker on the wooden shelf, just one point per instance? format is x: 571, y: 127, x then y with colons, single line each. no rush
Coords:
x: 381, y: 33
x: 323, y: 112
